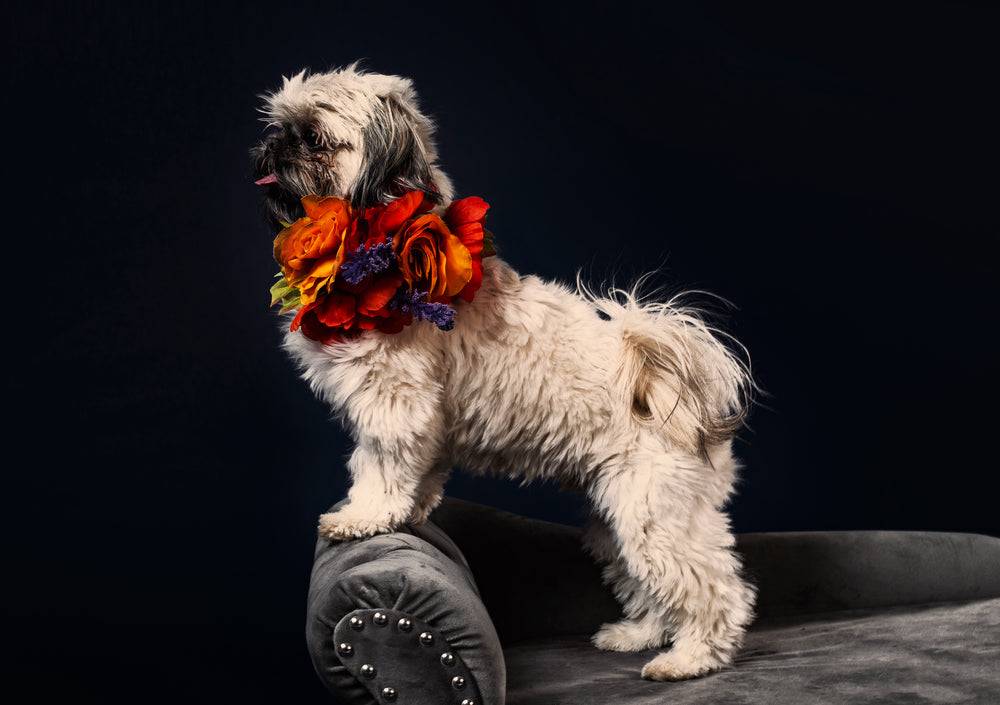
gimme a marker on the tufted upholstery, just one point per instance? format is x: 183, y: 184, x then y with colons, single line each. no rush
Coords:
x: 842, y: 617
x: 417, y: 574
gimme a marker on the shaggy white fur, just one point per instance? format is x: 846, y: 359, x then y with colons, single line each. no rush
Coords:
x: 634, y: 401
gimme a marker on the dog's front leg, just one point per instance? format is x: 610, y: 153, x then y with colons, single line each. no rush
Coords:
x: 384, y: 490
x: 392, y: 399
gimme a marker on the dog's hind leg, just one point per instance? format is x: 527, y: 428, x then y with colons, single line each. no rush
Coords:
x: 638, y: 629
x: 680, y: 575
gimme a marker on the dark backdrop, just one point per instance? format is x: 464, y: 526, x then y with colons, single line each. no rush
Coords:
x: 827, y: 167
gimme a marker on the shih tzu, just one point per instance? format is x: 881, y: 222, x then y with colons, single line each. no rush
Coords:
x: 634, y: 401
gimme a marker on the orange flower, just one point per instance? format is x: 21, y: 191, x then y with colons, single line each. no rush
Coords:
x: 431, y: 258
x: 349, y: 272
x: 311, y: 250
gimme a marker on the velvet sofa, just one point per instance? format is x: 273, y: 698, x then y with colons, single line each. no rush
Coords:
x: 482, y: 607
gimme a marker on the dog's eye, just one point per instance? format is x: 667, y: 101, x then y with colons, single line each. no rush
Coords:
x: 312, y: 139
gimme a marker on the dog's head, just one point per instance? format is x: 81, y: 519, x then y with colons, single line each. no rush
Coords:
x: 346, y: 133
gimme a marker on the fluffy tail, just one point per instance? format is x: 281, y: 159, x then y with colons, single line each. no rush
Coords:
x: 676, y: 371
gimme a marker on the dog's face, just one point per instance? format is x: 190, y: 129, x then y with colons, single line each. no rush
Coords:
x: 348, y: 134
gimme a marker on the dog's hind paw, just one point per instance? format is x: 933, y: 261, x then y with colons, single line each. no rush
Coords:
x: 348, y: 524
x: 629, y: 635
x: 679, y: 665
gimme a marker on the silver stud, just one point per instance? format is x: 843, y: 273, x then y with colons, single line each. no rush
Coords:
x: 426, y: 638
x: 368, y: 671
x: 468, y: 701
x: 345, y: 649
x: 448, y: 658
x: 458, y: 682
x: 388, y: 694
x: 357, y: 624
x: 404, y: 625
x: 380, y: 619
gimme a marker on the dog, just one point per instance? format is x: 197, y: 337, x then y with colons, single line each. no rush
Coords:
x: 634, y: 401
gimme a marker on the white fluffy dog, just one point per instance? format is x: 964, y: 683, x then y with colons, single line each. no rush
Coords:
x: 634, y: 402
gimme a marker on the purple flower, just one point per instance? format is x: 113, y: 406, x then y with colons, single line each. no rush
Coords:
x: 363, y: 263
x: 412, y: 302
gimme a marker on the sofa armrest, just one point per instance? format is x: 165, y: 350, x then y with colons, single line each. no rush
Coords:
x: 828, y: 571
x: 359, y: 592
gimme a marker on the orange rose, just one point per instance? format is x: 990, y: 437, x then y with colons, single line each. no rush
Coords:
x: 431, y: 258
x: 311, y: 250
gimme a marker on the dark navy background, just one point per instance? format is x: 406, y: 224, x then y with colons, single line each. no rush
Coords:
x: 829, y: 168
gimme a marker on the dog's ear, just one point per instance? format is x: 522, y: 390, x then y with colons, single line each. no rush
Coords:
x: 397, y: 153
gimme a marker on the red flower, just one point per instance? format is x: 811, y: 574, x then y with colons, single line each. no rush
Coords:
x: 467, y: 220
x: 385, y: 220
x: 441, y: 256
x: 352, y: 308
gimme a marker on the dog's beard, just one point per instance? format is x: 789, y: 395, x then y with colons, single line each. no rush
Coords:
x: 296, y: 175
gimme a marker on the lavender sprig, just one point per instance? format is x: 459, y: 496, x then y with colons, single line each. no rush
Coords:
x: 363, y: 263
x: 413, y: 302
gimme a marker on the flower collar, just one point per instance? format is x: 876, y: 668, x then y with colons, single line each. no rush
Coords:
x: 346, y: 271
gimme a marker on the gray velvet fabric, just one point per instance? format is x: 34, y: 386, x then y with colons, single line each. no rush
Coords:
x: 526, y: 568
x: 418, y: 571
x: 801, y: 573
x: 400, y: 658
x: 534, y: 576
x: 843, y: 617
x: 948, y: 653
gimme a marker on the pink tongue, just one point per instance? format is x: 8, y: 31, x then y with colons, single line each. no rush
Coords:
x: 269, y: 179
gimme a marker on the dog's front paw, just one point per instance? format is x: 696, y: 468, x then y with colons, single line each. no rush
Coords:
x: 629, y: 635
x: 681, y: 664
x: 351, y: 524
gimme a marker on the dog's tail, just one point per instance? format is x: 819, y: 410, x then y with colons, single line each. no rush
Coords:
x: 676, y: 371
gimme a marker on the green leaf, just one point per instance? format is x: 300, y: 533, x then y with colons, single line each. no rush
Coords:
x: 488, y: 249
x: 291, y: 304
x: 281, y: 290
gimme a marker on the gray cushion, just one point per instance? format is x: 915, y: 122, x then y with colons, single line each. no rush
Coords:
x: 946, y: 653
